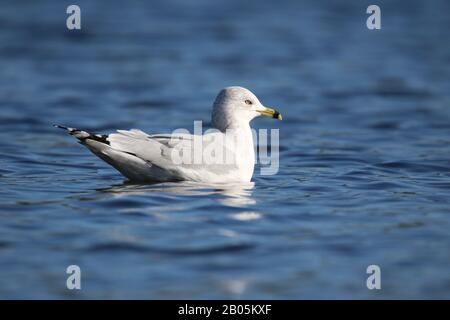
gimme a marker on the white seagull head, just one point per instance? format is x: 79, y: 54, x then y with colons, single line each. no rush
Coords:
x: 235, y: 107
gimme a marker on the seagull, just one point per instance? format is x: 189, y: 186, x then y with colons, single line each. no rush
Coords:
x: 224, y: 154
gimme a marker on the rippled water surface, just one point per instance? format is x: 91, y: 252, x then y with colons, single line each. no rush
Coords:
x: 364, y: 158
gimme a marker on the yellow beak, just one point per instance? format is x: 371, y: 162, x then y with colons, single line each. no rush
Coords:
x: 272, y: 113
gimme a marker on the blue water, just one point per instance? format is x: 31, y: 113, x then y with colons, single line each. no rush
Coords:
x: 364, y: 159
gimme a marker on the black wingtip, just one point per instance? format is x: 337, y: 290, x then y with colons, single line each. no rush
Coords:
x: 60, y: 127
x: 84, y: 135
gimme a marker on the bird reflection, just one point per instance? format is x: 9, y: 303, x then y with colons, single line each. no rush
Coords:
x: 233, y: 195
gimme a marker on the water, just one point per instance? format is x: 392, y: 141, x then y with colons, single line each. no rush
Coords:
x: 364, y: 166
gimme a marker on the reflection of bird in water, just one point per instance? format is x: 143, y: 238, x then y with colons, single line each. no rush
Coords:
x: 233, y: 195
x: 182, y: 157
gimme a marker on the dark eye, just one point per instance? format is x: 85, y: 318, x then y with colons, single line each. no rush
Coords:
x: 248, y: 102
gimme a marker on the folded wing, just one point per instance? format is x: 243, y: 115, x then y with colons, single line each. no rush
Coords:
x: 162, y: 157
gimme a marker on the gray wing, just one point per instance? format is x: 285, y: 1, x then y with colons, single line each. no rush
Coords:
x: 161, y: 157
x: 173, y: 154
